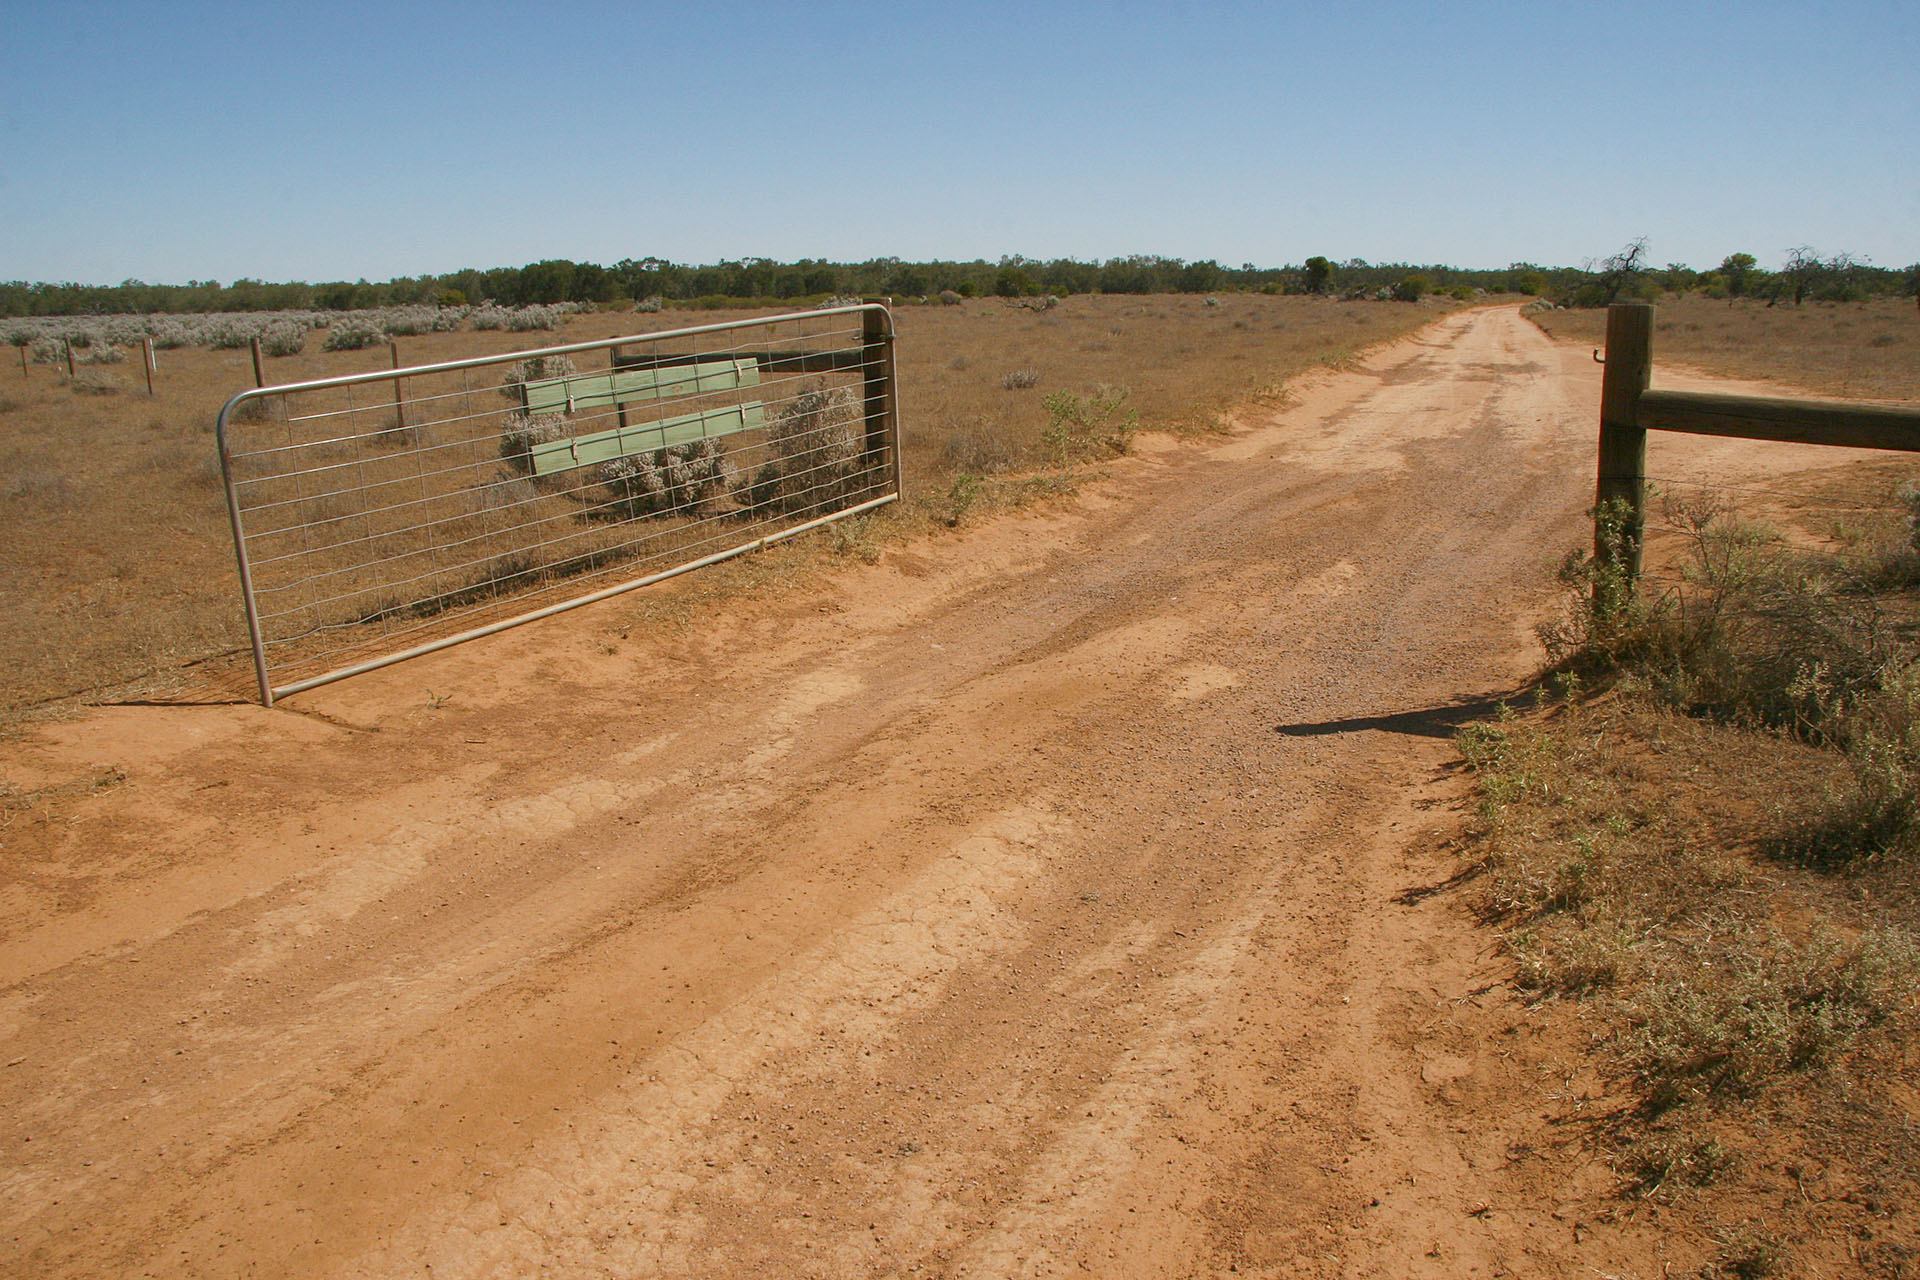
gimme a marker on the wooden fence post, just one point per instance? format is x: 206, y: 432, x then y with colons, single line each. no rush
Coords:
x: 70, y: 373
x: 619, y: 405
x: 259, y: 369
x: 146, y: 361
x: 399, y: 395
x: 1623, y: 444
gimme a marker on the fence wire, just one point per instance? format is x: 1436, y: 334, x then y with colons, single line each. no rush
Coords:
x: 385, y: 514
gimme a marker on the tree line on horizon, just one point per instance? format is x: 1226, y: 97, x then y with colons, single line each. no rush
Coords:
x: 1804, y: 275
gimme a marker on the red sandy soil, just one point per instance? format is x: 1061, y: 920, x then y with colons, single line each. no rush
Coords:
x: 1060, y: 896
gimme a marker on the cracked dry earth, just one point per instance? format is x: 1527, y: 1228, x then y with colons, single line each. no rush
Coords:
x: 1060, y: 896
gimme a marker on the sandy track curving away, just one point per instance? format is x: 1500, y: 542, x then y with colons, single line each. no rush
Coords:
x: 1046, y: 899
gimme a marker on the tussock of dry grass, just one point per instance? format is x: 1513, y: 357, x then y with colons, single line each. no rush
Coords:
x: 1715, y: 859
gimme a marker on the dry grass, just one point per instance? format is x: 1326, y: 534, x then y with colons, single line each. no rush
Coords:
x: 1869, y: 350
x: 1714, y: 859
x: 118, y: 561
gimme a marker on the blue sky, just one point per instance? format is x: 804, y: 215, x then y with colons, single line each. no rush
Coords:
x: 317, y: 141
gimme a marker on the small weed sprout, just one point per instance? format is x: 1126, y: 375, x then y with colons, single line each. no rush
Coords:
x: 1080, y: 429
x: 964, y: 493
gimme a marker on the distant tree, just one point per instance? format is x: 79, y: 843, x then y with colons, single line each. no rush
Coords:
x: 1412, y: 288
x: 1621, y: 272
x: 1014, y: 281
x: 1201, y: 277
x: 1678, y: 278
x: 1613, y: 277
x: 1798, y: 275
x: 1736, y: 268
x: 1316, y: 276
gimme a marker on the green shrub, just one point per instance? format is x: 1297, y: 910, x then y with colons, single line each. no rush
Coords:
x: 1412, y: 288
x: 1079, y: 429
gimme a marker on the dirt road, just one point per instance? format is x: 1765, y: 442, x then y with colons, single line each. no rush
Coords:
x: 1048, y: 898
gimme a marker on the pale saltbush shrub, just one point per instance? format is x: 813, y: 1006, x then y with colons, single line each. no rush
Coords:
x: 488, y: 316
x: 224, y: 333
x: 352, y: 333
x: 100, y: 353
x: 816, y: 446
x: 169, y: 332
x: 284, y: 338
x: 527, y: 319
x: 406, y: 322
x: 534, y: 369
x: 679, y: 479
x: 522, y: 432
x: 123, y: 331
x: 650, y: 305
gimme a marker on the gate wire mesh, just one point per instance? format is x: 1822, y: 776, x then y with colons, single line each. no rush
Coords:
x: 387, y: 514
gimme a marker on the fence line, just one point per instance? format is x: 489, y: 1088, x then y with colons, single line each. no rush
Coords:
x: 383, y: 515
x: 1629, y: 409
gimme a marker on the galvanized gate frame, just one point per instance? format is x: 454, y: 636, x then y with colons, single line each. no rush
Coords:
x: 880, y: 403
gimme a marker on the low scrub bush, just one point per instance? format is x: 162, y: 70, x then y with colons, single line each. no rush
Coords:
x: 227, y: 333
x: 1021, y: 379
x: 529, y: 319
x: 1739, y: 1017
x: 1412, y: 288
x: 816, y: 442
x: 95, y: 383
x: 408, y: 322
x: 678, y: 480
x: 1096, y: 427
x: 521, y: 432
x: 1759, y: 634
x: 352, y: 334
x: 284, y: 338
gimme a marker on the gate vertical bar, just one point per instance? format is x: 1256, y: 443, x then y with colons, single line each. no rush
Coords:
x: 243, y: 561
x: 1623, y: 443
x: 876, y: 338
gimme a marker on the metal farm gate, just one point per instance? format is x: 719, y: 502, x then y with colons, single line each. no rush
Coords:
x: 385, y: 515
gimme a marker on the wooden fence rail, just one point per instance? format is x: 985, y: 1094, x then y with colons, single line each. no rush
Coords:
x: 1628, y: 410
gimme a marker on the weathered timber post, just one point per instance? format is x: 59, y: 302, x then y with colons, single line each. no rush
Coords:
x: 619, y: 405
x: 1623, y: 443
x: 876, y: 363
x: 70, y: 372
x: 259, y: 369
x: 399, y: 393
x: 146, y: 361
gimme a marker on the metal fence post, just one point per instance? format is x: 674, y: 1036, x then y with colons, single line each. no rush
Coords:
x: 1623, y: 443
x: 876, y: 338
